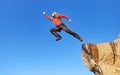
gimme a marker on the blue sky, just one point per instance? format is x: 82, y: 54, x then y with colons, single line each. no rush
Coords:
x: 28, y: 48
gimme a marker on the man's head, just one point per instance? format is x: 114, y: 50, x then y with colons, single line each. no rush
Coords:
x: 53, y: 14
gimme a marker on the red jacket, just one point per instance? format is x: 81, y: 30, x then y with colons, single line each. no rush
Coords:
x: 56, y: 19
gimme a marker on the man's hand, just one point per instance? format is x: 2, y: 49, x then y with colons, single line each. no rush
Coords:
x: 70, y: 20
x: 44, y: 13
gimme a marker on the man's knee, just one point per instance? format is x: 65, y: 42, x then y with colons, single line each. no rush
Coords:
x: 69, y: 31
x: 52, y: 30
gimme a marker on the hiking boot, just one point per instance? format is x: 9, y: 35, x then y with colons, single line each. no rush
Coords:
x: 81, y: 39
x: 58, y: 38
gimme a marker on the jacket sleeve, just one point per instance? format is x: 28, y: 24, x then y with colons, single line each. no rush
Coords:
x: 48, y: 17
x: 63, y: 16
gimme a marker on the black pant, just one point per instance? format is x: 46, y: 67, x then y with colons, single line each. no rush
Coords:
x: 63, y: 27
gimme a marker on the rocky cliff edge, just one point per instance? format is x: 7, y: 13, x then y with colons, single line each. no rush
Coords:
x: 103, y: 58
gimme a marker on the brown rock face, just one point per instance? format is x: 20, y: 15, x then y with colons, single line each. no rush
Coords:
x: 103, y: 58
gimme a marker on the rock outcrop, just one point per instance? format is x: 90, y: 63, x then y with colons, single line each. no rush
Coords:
x: 103, y: 58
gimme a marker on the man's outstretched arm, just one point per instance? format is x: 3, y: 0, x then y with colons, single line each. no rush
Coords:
x: 65, y: 17
x: 48, y: 17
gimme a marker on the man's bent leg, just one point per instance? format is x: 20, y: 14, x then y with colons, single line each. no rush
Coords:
x: 54, y: 32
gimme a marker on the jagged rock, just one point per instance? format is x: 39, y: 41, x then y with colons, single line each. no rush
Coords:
x: 103, y: 58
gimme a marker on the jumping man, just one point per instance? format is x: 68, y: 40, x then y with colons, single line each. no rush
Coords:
x: 59, y: 25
